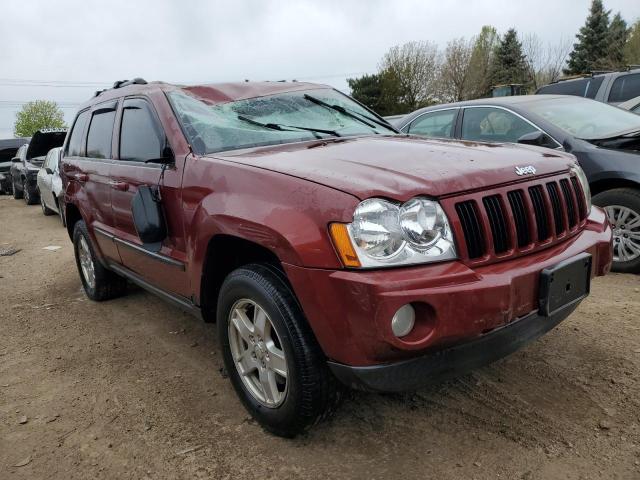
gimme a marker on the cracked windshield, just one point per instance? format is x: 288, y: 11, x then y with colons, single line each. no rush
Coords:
x: 274, y: 119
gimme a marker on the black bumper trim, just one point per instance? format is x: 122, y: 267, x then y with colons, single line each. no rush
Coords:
x: 452, y: 361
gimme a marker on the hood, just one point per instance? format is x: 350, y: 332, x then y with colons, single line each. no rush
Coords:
x: 401, y: 167
x: 43, y: 141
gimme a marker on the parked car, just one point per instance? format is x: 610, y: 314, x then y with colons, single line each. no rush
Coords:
x: 28, y: 160
x: 329, y: 248
x: 632, y: 105
x: 50, y: 183
x: 8, y: 149
x: 605, y: 139
x: 609, y: 87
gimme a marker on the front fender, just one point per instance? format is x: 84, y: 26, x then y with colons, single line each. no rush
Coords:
x: 286, y: 215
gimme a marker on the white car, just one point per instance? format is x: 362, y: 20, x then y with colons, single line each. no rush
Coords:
x: 50, y: 183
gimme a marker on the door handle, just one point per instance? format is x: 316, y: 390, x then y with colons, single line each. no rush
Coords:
x: 121, y: 186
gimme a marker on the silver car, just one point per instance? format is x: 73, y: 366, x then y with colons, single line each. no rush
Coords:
x: 50, y: 183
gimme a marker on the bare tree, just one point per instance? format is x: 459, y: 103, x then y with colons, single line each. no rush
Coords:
x: 544, y: 63
x: 410, y: 73
x: 484, y: 45
x: 455, y: 70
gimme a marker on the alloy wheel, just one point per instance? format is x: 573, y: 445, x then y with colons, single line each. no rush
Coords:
x: 626, y: 232
x: 86, y: 263
x: 258, y: 353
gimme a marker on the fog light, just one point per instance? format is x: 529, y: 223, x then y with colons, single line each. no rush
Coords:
x: 403, y: 321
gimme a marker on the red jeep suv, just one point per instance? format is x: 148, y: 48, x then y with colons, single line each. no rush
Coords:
x: 330, y: 249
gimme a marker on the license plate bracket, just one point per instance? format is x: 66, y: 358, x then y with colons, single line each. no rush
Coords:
x: 564, y: 284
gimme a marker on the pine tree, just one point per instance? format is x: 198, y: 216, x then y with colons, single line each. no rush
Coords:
x: 616, y: 41
x: 591, y: 49
x: 508, y: 65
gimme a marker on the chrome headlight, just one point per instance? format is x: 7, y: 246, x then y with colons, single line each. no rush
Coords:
x: 386, y: 234
x: 584, y: 183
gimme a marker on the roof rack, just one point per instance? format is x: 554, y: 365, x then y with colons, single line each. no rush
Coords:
x: 123, y: 83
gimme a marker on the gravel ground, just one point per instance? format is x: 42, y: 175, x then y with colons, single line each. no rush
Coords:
x: 132, y: 388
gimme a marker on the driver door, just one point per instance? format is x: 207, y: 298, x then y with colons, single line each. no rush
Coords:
x: 142, y: 138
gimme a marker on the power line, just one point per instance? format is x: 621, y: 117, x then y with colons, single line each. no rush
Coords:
x: 19, y: 82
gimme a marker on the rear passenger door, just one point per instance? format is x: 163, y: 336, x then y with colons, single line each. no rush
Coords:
x: 44, y: 180
x: 142, y: 137
x: 90, y: 162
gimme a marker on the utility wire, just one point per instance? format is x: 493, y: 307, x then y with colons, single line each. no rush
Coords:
x: 18, y: 82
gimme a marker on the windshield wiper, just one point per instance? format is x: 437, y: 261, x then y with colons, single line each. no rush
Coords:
x: 288, y: 128
x: 360, y: 117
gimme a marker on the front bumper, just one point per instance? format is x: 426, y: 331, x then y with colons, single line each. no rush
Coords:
x: 350, y: 311
x: 452, y: 361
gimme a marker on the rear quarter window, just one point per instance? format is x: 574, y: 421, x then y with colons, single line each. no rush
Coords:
x: 74, y: 146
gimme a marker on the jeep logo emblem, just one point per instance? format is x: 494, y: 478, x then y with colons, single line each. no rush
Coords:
x: 528, y: 170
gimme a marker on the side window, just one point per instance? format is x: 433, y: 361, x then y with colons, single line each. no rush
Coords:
x: 568, y: 87
x: 625, y: 87
x: 100, y: 131
x: 141, y: 138
x: 487, y: 124
x: 436, y: 124
x: 74, y: 146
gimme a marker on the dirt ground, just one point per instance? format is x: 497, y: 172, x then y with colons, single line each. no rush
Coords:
x: 132, y: 388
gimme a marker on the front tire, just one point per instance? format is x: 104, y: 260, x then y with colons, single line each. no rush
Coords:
x: 99, y: 283
x: 271, y: 355
x: 623, y: 209
x: 17, y: 194
x: 30, y: 198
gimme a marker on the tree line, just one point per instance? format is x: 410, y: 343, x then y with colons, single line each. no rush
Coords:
x: 419, y: 73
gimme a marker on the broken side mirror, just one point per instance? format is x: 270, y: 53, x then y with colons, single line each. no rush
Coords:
x: 167, y: 157
x: 148, y: 217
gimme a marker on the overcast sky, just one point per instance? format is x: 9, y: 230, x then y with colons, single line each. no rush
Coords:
x: 189, y: 41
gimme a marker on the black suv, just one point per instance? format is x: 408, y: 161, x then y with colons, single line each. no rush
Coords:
x: 8, y: 149
x: 28, y: 160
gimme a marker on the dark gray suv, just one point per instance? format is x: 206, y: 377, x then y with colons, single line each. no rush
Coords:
x: 610, y: 87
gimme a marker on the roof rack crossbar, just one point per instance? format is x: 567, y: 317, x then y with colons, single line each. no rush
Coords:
x: 124, y: 83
